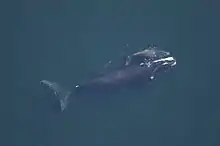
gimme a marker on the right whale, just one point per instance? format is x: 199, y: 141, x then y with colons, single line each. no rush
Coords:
x: 138, y: 68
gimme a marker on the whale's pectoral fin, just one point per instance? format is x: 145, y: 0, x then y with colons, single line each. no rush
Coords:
x: 121, y: 61
x: 107, y: 64
x: 59, y: 92
x: 116, y: 64
x: 105, y: 68
x: 123, y: 57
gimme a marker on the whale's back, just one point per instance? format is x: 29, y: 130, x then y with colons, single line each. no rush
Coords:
x: 117, y: 79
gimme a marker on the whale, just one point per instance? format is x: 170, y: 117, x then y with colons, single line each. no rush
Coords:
x: 137, y: 69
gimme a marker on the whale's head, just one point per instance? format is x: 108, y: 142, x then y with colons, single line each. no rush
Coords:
x: 152, y: 53
x: 154, y: 59
x: 158, y: 60
x: 147, y: 54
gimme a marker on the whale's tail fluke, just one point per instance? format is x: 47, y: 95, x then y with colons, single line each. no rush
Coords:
x: 62, y: 94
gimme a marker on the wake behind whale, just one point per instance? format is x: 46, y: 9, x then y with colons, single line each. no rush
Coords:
x: 137, y: 69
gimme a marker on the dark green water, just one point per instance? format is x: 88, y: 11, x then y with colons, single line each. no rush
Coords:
x: 68, y: 41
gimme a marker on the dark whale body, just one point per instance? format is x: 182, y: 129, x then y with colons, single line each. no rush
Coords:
x: 116, y: 79
x: 138, y: 69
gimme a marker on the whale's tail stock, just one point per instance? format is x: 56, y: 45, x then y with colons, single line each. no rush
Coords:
x: 59, y: 92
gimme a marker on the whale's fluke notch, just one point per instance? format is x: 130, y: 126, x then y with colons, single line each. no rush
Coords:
x: 62, y: 94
